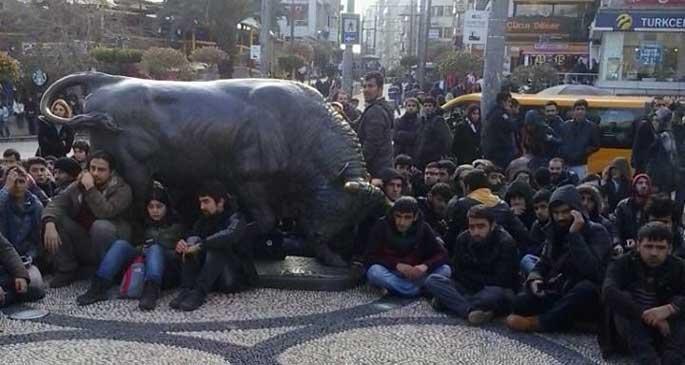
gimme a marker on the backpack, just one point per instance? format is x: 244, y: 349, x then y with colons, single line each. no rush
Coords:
x: 133, y: 280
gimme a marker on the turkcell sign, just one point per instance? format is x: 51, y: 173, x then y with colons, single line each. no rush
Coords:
x: 626, y: 21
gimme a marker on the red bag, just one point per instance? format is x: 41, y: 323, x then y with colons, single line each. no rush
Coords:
x: 134, y: 278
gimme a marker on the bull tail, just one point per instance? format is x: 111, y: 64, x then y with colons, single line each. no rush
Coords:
x: 89, y: 79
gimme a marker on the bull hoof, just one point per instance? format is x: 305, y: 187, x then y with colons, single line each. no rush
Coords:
x: 328, y: 258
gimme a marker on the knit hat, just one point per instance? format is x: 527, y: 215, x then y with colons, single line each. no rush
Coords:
x: 68, y: 165
x: 160, y: 194
x: 641, y: 176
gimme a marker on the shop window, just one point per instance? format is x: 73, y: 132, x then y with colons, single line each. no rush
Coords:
x: 437, y: 11
x: 615, y: 126
x: 653, y: 56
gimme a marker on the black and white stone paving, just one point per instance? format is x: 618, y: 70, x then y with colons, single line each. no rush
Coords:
x: 271, y: 326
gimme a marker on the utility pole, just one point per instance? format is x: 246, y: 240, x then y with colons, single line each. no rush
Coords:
x: 412, y: 39
x: 494, y: 55
x: 265, y: 39
x: 424, y: 28
x: 348, y: 58
x: 375, y: 28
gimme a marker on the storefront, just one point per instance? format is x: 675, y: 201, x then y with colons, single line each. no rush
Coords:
x: 642, y: 51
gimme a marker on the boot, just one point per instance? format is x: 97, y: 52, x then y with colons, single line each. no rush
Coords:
x: 63, y: 278
x: 96, y: 293
x: 478, y: 317
x: 176, y: 302
x: 148, y: 301
x: 193, y: 301
x: 523, y: 324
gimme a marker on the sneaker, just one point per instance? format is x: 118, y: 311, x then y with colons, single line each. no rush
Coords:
x: 479, y: 317
x: 193, y: 301
x: 523, y: 324
x: 96, y: 293
x: 63, y: 278
x: 176, y: 302
x: 148, y: 301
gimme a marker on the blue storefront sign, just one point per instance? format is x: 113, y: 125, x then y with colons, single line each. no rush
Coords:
x: 650, y: 54
x: 626, y: 21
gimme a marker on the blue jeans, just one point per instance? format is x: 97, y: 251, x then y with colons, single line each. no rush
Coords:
x: 121, y: 253
x: 380, y: 276
x: 458, y: 300
x: 528, y: 263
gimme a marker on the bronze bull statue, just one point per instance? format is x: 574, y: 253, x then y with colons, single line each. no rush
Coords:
x: 276, y: 145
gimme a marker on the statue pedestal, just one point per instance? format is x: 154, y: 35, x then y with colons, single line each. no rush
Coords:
x: 305, y: 273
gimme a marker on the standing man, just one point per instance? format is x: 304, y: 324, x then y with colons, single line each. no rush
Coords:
x: 579, y: 139
x: 434, y: 137
x: 644, y: 292
x: 375, y: 126
x: 499, y: 133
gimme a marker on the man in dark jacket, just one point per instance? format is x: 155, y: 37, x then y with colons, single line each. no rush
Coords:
x: 375, y: 126
x: 579, y: 139
x: 593, y: 203
x: 434, y: 137
x: 407, y: 128
x: 434, y: 208
x: 14, y: 278
x: 660, y: 208
x: 216, y: 254
x: 564, y: 286
x: 519, y: 196
x: 66, y: 172
x: 20, y: 214
x: 644, y: 292
x: 485, y: 268
x: 404, y: 250
x: 467, y: 134
x: 38, y: 168
x: 478, y: 192
x: 559, y: 175
x: 629, y: 213
x: 498, y: 133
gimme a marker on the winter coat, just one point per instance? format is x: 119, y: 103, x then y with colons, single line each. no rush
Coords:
x: 628, y: 218
x: 579, y: 141
x: 521, y: 188
x: 166, y: 234
x: 645, y: 136
x: 458, y: 209
x: 21, y: 224
x: 466, y: 143
x: 111, y: 203
x: 596, y: 215
x: 54, y: 143
x: 438, y: 224
x: 498, y: 145
x: 375, y: 136
x: 626, y: 273
x: 10, y: 261
x: 420, y: 245
x: 493, y: 262
x: 663, y: 162
x: 616, y: 192
x: 434, y: 140
x: 583, y: 254
x: 406, y: 134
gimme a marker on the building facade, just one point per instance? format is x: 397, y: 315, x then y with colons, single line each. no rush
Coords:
x: 641, y: 46
x: 314, y: 19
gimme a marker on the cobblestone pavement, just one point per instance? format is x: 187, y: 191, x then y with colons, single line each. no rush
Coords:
x: 269, y: 326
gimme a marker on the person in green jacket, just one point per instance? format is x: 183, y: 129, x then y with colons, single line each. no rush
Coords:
x: 162, y: 231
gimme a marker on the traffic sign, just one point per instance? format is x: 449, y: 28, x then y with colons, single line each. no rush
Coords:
x: 350, y: 28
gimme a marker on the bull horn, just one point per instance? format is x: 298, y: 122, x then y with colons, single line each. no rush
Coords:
x: 89, y: 79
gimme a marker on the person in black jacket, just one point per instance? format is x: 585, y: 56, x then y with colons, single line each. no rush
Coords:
x: 14, y: 278
x: 434, y: 208
x: 375, y: 126
x: 593, y: 204
x: 484, y: 269
x: 564, y: 286
x: 579, y: 139
x: 498, y: 139
x: 629, y: 213
x: 407, y: 128
x: 644, y: 295
x: 537, y: 232
x: 55, y: 140
x: 466, y: 141
x: 660, y: 208
x: 434, y: 137
x: 477, y: 191
x: 519, y: 196
x: 216, y: 253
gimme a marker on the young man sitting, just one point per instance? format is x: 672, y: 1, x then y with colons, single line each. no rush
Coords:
x: 393, y: 185
x: 431, y: 176
x: 66, y: 172
x: 216, y: 254
x: 404, y: 250
x: 85, y: 219
x: 564, y: 285
x: 629, y: 213
x: 434, y: 208
x: 81, y: 150
x: 14, y: 279
x: 660, y: 208
x: 644, y: 293
x: 38, y: 168
x: 20, y: 213
x: 485, y: 265
x: 537, y: 233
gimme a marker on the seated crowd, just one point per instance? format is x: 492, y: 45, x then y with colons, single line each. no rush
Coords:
x: 539, y: 247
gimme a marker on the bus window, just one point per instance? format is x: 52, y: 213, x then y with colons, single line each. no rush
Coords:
x: 616, y: 126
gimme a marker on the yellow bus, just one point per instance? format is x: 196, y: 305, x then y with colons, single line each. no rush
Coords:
x: 616, y: 116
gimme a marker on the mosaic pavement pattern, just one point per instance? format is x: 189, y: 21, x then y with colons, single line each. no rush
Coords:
x: 269, y: 326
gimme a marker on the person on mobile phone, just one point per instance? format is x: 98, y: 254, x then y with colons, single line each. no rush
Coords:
x: 564, y: 284
x: 20, y: 213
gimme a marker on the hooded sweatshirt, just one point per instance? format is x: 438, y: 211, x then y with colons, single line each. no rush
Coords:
x: 595, y: 214
x: 629, y: 213
x: 582, y: 255
x: 419, y: 245
x: 458, y: 209
x: 521, y: 188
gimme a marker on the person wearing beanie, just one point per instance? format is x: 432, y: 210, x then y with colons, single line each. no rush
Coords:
x: 404, y: 250
x: 629, y: 213
x: 162, y: 230
x: 66, y: 172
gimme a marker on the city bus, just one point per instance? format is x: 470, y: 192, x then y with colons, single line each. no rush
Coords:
x: 616, y: 116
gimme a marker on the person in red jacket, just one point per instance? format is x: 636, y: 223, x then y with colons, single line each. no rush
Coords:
x: 404, y: 250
